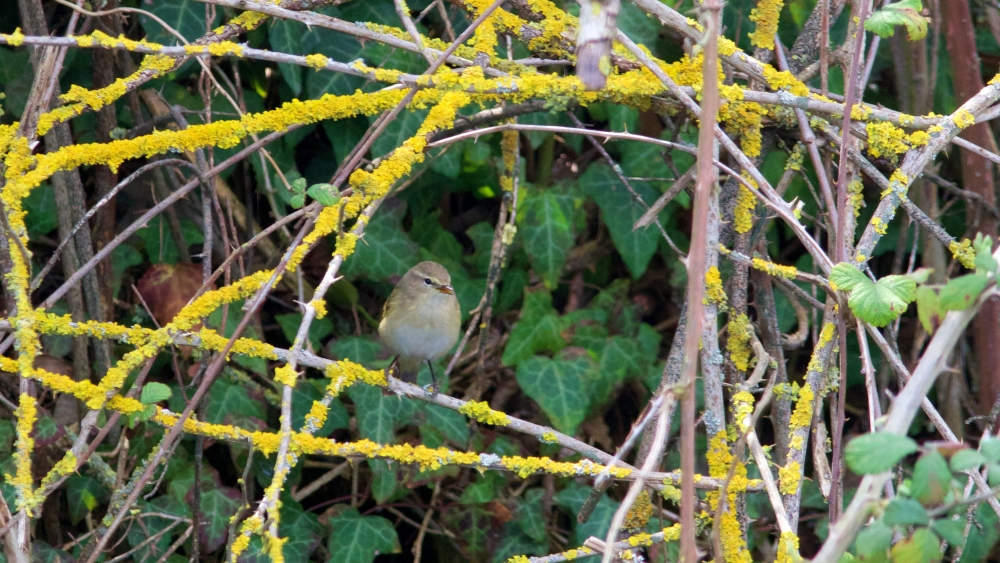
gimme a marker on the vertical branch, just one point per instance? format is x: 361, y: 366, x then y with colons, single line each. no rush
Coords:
x: 707, y: 178
x: 840, y: 249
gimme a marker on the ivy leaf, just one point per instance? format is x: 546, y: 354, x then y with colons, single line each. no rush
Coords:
x: 376, y: 414
x: 218, y: 505
x: 904, y: 511
x: 620, y: 211
x: 959, y: 293
x: 385, y: 250
x: 547, y: 228
x: 906, y: 13
x: 154, y: 393
x: 187, y: 17
x: 451, y: 424
x: 83, y: 494
x: 931, y: 479
x: 539, y: 329
x: 560, y: 387
x: 877, y: 452
x: 921, y: 547
x: 285, y: 36
x: 358, y: 539
x: 929, y: 309
x: 878, y: 303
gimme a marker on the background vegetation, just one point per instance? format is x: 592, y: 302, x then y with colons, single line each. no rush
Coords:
x: 193, y: 372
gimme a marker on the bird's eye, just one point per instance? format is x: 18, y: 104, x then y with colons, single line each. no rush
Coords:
x: 427, y: 281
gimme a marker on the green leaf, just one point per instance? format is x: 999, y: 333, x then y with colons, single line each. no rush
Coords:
x: 928, y: 309
x: 571, y: 500
x: 187, y: 17
x: 984, y: 254
x: 931, y: 479
x: 160, y: 247
x: 305, y: 393
x: 451, y: 424
x: 877, y: 452
x: 339, y: 47
x: 7, y: 436
x: 384, y: 250
x: 358, y: 539
x: 877, y: 303
x: 377, y: 415
x: 218, y: 505
x: 963, y: 460
x: 990, y: 448
x: 921, y: 547
x: 560, y: 387
x: 846, y: 277
x: 546, y: 226
x: 906, y: 13
x: 318, y: 330
x: 285, y: 36
x: 904, y: 511
x: 385, y: 480
x: 953, y: 531
x: 297, y: 201
x: 15, y: 78
x: 83, y: 494
x: 961, y: 292
x: 397, y: 132
x: 620, y: 211
x: 359, y: 349
x: 326, y: 194
x: 539, y: 329
x: 230, y: 403
x: 146, y: 525
x: 529, y: 515
x: 154, y: 393
x: 484, y: 489
x: 873, y: 542
x: 982, y: 536
x: 41, y: 207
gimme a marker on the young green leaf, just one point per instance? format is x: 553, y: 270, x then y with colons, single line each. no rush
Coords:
x: 326, y: 194
x: 953, y: 531
x: 928, y: 308
x: 904, y: 511
x: 958, y: 294
x: 990, y: 448
x: 882, y: 302
x: 297, y: 201
x: 873, y: 542
x: 931, y: 479
x: 984, y: 253
x: 905, y: 13
x: 966, y: 459
x: 154, y: 393
x: 846, y: 277
x: 298, y: 185
x: 877, y: 452
x: 921, y: 547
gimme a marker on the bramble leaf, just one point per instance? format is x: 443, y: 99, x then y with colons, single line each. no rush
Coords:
x: 904, y: 511
x: 877, y: 452
x: 966, y: 459
x: 928, y: 308
x: 958, y: 294
x: 905, y: 13
x: 931, y: 479
x: 921, y: 547
x: 846, y: 277
x: 878, y: 303
x: 154, y: 393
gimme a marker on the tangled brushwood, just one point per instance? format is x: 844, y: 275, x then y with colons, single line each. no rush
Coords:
x: 678, y: 345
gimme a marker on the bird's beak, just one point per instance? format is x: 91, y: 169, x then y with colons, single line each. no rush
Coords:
x: 446, y: 289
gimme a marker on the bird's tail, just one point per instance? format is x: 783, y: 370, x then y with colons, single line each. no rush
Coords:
x: 408, y: 369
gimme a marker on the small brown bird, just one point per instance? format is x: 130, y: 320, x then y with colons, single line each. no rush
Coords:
x: 421, y: 319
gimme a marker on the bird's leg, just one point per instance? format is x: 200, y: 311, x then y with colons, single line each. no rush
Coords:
x: 434, y: 382
x: 388, y: 369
